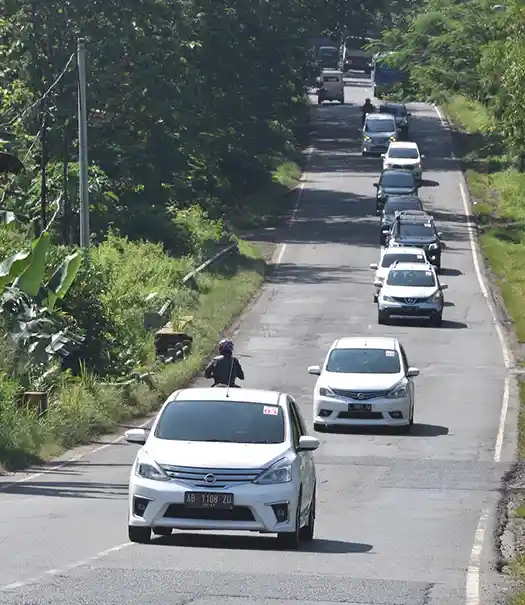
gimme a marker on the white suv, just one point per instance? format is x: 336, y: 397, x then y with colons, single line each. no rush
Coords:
x: 404, y: 155
x: 230, y: 459
x: 389, y: 256
x: 364, y: 381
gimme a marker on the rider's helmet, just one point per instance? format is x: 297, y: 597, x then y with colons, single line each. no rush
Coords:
x: 367, y: 102
x: 225, y: 347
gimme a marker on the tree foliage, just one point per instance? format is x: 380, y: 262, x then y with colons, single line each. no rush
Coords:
x: 470, y: 48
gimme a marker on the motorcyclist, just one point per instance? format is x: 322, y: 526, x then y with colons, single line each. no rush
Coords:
x: 224, y: 368
x: 367, y: 108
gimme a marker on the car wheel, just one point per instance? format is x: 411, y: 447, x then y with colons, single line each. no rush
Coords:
x: 411, y: 417
x: 437, y: 320
x: 408, y: 427
x: 382, y: 317
x: 162, y: 531
x: 291, y: 539
x: 141, y: 535
x: 375, y: 298
x: 307, y: 532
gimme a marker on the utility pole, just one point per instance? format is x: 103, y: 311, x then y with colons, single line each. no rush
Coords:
x: 83, y: 145
x: 43, y: 170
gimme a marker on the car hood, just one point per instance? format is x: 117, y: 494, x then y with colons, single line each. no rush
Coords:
x: 396, y: 190
x: 408, y: 291
x: 381, y: 135
x: 402, y: 161
x: 357, y: 382
x: 214, y: 455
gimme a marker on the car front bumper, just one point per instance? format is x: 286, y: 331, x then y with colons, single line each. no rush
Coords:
x: 330, y: 411
x: 252, y: 510
x: 398, y: 309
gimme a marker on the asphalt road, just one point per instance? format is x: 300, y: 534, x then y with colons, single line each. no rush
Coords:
x: 397, y: 514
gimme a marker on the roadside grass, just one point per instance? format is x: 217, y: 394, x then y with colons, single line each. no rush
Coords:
x: 124, y: 274
x: 497, y: 192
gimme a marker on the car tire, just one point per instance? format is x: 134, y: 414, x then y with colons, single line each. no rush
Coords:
x: 162, y: 531
x: 290, y: 540
x: 437, y: 320
x: 375, y: 298
x: 140, y: 535
x: 307, y: 532
x: 382, y: 317
x: 408, y: 427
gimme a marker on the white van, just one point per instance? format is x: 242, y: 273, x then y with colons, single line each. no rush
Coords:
x: 331, y: 86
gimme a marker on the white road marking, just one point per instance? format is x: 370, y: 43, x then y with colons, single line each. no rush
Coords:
x: 472, y: 596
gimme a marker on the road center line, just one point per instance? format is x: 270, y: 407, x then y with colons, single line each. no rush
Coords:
x: 472, y: 596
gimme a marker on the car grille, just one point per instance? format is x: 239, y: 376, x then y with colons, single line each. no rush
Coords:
x: 223, y: 476
x: 360, y: 395
x: 402, y: 167
x: 409, y: 301
x: 237, y: 513
x: 360, y: 415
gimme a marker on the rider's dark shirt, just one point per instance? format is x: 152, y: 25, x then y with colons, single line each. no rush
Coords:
x: 222, y: 368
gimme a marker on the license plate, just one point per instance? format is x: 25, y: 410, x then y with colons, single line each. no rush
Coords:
x: 208, y: 500
x: 410, y: 309
x: 359, y: 407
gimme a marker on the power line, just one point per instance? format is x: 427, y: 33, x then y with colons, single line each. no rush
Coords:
x: 44, y: 96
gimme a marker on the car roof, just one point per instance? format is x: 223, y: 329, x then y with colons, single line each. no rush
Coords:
x: 363, y: 342
x: 392, y: 199
x: 414, y: 216
x: 400, y: 266
x: 400, y: 250
x: 234, y: 394
x: 397, y: 170
x: 391, y: 104
x: 403, y: 145
x: 379, y: 116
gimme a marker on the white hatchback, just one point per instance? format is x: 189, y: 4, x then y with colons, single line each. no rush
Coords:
x: 389, y: 256
x: 404, y: 155
x: 224, y: 459
x: 364, y: 381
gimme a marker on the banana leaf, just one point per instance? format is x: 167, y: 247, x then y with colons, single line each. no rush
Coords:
x: 31, y: 279
x: 14, y: 266
x: 62, y: 279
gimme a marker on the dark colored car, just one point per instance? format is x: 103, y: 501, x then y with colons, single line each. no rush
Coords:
x: 400, y: 113
x: 393, y: 205
x: 417, y: 229
x: 394, y: 182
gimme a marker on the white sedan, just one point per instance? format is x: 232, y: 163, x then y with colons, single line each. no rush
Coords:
x: 224, y: 459
x: 364, y: 381
x: 404, y: 155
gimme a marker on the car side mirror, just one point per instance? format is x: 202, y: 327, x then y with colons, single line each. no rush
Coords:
x: 307, y: 443
x: 423, y: 157
x: 412, y: 372
x: 135, y: 436
x: 440, y: 234
x: 383, y: 155
x: 373, y: 266
x: 376, y: 185
x: 409, y: 114
x: 378, y: 283
x: 443, y: 286
x: 315, y: 370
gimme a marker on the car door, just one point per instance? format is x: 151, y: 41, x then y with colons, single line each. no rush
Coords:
x: 411, y: 386
x: 306, y: 463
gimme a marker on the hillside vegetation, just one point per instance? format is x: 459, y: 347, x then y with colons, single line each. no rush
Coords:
x: 469, y: 57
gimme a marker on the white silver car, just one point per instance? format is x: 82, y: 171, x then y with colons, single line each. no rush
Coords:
x: 364, y: 381
x: 404, y: 155
x: 389, y: 256
x: 224, y: 459
x: 410, y: 290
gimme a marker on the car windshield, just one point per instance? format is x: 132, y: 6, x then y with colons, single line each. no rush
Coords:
x: 389, y: 259
x: 221, y: 421
x: 416, y: 279
x: 393, y: 206
x: 379, y: 126
x: 415, y: 230
x: 363, y: 361
x: 403, y: 153
x: 397, y: 179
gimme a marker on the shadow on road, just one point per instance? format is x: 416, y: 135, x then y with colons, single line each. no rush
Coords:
x: 70, y: 489
x: 418, y: 430
x: 229, y: 542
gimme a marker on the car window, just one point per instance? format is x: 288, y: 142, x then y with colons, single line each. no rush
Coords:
x: 404, y: 357
x: 331, y: 79
x: 409, y: 277
x: 379, y: 126
x: 389, y: 259
x: 363, y: 361
x: 392, y: 206
x: 416, y: 230
x: 405, y: 153
x: 221, y: 421
x: 397, y: 179
x: 297, y: 416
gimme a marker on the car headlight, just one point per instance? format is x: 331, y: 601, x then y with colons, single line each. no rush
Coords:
x: 388, y: 165
x: 436, y: 297
x: 398, y: 391
x: 326, y: 392
x: 150, y: 470
x: 389, y: 299
x: 433, y: 247
x: 280, y: 472
x: 394, y: 244
x: 392, y: 138
x: 366, y: 139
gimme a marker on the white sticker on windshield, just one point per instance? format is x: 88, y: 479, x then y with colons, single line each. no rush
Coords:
x: 271, y: 411
x: 390, y: 353
x: 420, y: 256
x: 429, y: 273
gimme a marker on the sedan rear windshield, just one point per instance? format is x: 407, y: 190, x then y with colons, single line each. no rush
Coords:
x: 396, y: 110
x: 417, y: 279
x: 393, y: 205
x: 390, y: 259
x: 416, y: 230
x: 380, y: 126
x: 403, y: 153
x: 221, y: 421
x: 397, y: 179
x: 363, y: 361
